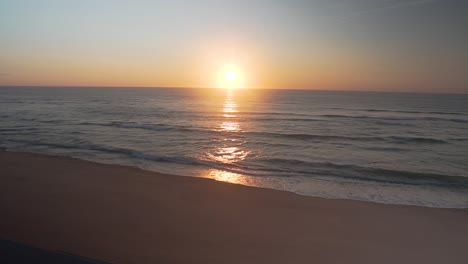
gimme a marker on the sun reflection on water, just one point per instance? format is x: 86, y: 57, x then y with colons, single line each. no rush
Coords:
x: 226, y: 176
x: 228, y: 150
x: 228, y: 155
x: 230, y: 106
x: 230, y: 126
x: 230, y: 111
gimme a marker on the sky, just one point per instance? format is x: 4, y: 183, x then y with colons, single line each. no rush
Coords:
x: 382, y: 45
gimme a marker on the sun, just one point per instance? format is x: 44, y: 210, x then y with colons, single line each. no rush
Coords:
x: 230, y: 76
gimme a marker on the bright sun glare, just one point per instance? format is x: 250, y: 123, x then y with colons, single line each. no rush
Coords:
x: 230, y: 76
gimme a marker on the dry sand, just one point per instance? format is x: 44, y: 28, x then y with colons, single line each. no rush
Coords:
x: 126, y: 215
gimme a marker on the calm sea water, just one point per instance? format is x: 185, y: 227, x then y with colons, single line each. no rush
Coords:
x: 382, y: 147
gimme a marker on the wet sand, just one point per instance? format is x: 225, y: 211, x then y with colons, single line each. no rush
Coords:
x: 121, y: 214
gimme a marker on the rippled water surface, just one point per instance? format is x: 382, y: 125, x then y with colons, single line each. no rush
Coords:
x: 382, y: 147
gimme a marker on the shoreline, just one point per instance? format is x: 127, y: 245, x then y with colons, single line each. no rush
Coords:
x: 124, y: 214
x: 226, y: 179
x: 216, y: 180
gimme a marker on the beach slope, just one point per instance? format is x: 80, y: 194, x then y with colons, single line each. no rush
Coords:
x: 121, y: 214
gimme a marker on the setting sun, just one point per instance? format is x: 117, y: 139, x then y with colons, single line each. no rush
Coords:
x: 230, y: 76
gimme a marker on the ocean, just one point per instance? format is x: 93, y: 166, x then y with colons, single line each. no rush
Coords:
x: 396, y: 148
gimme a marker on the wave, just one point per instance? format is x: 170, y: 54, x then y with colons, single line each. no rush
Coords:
x: 289, y: 119
x: 300, y: 117
x: 458, y: 120
x: 396, y: 118
x: 152, y: 127
x: 459, y: 139
x: 162, y: 127
x: 389, y: 149
x: 390, y: 139
x: 16, y: 129
x: 142, y: 155
x: 397, y: 139
x: 401, y: 111
x: 110, y: 149
x: 381, y: 175
x: 266, y: 117
x: 313, y: 169
x: 281, y: 167
x: 274, y: 113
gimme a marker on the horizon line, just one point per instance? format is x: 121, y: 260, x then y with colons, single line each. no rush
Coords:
x: 219, y: 88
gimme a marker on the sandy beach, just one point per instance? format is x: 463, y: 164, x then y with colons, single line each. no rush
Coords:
x: 127, y: 215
